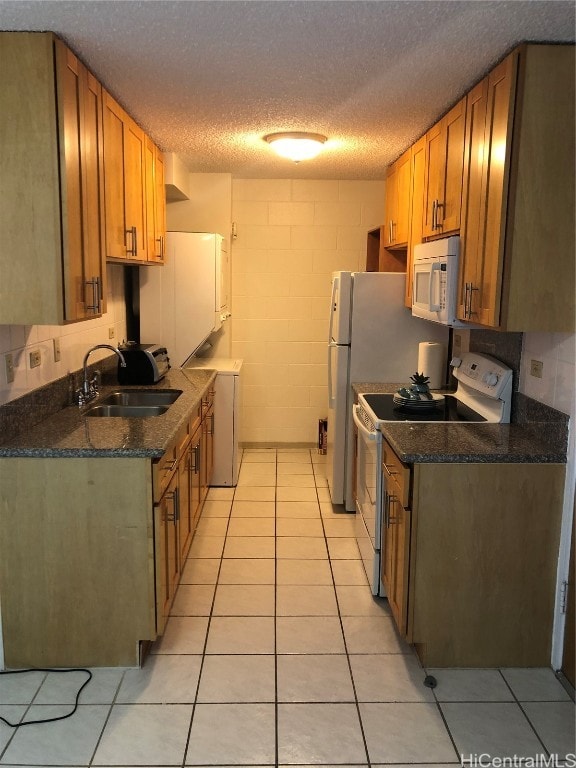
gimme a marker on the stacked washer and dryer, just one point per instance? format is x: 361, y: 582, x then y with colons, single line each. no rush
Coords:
x: 180, y: 306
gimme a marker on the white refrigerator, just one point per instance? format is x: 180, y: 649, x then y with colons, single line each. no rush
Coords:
x: 372, y: 338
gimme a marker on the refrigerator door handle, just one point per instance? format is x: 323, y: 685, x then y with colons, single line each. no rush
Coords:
x: 332, y: 309
x: 331, y: 400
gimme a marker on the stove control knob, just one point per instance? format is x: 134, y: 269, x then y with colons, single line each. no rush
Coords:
x: 490, y: 379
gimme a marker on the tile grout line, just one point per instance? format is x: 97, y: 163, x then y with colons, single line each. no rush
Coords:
x: 203, y: 655
x: 353, y: 682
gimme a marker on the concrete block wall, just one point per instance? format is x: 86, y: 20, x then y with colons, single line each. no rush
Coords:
x: 291, y: 235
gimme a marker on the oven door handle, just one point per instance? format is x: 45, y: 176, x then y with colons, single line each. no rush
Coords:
x: 361, y: 426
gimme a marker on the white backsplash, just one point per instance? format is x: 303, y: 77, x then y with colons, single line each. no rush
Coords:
x: 75, y: 340
x: 557, y: 352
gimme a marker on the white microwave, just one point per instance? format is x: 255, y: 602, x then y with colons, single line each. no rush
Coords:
x: 435, y: 281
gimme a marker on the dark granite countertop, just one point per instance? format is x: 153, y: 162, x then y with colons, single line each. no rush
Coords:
x: 69, y: 433
x: 531, y: 441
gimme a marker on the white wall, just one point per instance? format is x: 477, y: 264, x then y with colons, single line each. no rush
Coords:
x: 556, y: 388
x: 75, y: 340
x: 291, y: 235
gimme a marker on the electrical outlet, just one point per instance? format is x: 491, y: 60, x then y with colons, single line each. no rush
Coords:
x: 9, y: 364
x: 111, y: 332
x: 536, y: 368
x: 35, y: 358
x: 56, y: 346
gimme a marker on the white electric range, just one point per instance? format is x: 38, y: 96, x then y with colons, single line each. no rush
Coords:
x: 484, y: 394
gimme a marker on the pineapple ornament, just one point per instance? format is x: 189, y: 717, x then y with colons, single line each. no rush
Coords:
x: 420, y: 385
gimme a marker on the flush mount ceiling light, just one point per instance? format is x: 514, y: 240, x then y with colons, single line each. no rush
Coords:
x: 296, y: 145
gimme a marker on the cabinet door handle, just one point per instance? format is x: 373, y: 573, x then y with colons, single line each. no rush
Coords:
x: 160, y: 241
x: 391, y: 500
x: 472, y: 289
x: 170, y: 466
x: 439, y: 206
x: 96, y: 295
x: 133, y: 251
x: 466, y: 291
x: 434, y: 204
x: 389, y: 469
x: 170, y: 517
x: 386, y: 510
x: 196, y: 452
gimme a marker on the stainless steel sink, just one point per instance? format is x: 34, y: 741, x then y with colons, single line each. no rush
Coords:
x: 127, y: 411
x: 141, y: 397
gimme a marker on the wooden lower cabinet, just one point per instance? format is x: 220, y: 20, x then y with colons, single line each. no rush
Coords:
x: 207, y: 452
x: 92, y: 551
x: 469, y: 563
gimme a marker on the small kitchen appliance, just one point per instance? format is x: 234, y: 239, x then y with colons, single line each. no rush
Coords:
x: 435, y: 281
x: 484, y: 394
x: 145, y: 363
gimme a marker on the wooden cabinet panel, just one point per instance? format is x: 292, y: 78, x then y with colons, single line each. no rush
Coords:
x: 443, y: 173
x: 518, y: 202
x: 483, y: 561
x: 114, y: 178
x: 50, y: 172
x: 167, y: 551
x: 76, y: 561
x: 93, y: 190
x: 195, y: 497
x: 396, y: 227
x: 490, y: 108
x: 135, y: 190
x: 155, y: 202
x: 396, y: 559
x: 126, y: 166
x: 418, y: 161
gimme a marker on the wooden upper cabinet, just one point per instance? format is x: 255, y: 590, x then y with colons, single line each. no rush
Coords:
x: 443, y: 173
x: 397, y: 207
x: 155, y: 202
x: 517, y: 254
x: 417, y: 166
x: 124, y: 162
x: 135, y: 197
x: 51, y: 178
x: 135, y: 191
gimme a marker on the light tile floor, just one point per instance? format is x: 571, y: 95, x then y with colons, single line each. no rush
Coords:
x: 277, y: 654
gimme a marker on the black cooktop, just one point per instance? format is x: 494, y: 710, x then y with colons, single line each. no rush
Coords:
x: 450, y: 409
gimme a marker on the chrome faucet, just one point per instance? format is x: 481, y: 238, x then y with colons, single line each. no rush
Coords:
x: 89, y: 388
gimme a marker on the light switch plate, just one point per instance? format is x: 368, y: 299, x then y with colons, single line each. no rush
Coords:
x: 536, y: 368
x: 56, y: 346
x: 9, y: 364
x: 35, y: 358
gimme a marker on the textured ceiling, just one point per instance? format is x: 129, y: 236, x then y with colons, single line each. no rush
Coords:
x: 208, y: 79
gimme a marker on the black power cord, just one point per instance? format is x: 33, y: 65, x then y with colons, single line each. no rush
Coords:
x: 48, y: 719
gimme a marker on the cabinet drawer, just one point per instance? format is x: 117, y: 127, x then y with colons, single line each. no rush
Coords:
x: 395, y: 470
x: 207, y: 401
x: 195, y: 419
x: 163, y: 469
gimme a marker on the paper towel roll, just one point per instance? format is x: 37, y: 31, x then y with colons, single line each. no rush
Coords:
x: 432, y: 362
